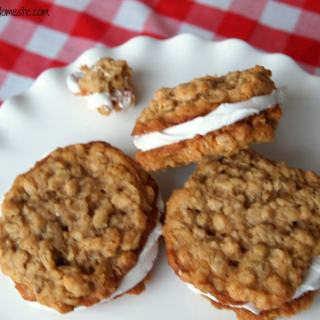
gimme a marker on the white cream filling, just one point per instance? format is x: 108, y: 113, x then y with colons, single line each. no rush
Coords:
x: 310, y: 283
x: 124, y: 98
x: 249, y: 306
x: 100, y: 99
x: 72, y: 82
x: 225, y: 114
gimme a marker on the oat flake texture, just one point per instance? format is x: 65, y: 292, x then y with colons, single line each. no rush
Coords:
x: 196, y: 98
x: 73, y: 225
x: 245, y: 229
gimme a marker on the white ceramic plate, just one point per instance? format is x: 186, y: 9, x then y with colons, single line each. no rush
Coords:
x: 48, y: 116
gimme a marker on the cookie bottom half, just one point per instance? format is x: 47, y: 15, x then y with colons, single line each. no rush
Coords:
x: 223, y: 142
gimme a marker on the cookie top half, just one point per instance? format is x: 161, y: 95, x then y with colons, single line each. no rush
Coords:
x: 74, y: 225
x: 245, y: 229
x: 172, y: 106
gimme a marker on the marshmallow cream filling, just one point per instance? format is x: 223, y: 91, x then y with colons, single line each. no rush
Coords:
x: 310, y: 283
x: 225, y: 114
x: 100, y: 99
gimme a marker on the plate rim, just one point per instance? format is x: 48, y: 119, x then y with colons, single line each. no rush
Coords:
x: 150, y: 39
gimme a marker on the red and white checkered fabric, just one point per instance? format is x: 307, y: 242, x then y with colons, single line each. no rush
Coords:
x: 31, y: 44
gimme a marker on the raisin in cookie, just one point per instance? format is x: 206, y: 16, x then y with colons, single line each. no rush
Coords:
x: 245, y: 232
x: 80, y: 227
x: 106, y: 85
x: 207, y: 116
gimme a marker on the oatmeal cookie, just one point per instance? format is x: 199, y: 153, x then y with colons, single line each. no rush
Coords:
x: 207, y: 116
x: 107, y: 85
x: 76, y: 224
x: 245, y: 230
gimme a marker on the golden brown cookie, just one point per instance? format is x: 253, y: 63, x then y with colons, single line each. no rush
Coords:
x: 196, y: 99
x: 245, y: 230
x: 106, y: 85
x: 75, y: 224
x: 288, y: 309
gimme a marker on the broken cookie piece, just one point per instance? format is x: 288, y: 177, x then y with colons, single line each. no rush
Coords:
x: 106, y: 85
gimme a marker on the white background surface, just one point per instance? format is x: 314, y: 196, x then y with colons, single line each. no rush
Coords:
x: 49, y: 116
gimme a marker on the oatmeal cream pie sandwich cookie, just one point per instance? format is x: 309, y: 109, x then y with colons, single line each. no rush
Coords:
x: 106, y: 85
x: 79, y: 228
x: 244, y: 232
x: 207, y: 116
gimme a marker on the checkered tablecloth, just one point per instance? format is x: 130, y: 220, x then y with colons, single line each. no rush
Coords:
x: 36, y: 35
